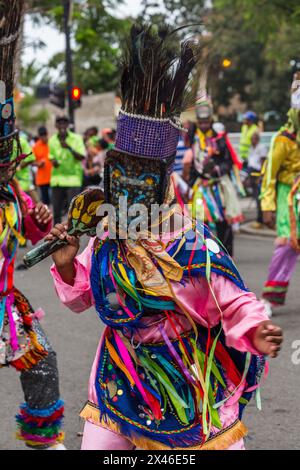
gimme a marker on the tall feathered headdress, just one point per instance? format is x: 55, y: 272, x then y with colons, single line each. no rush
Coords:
x: 154, y: 91
x: 11, y: 15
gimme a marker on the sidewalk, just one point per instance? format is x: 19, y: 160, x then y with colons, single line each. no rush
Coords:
x: 263, y: 232
x: 249, y: 211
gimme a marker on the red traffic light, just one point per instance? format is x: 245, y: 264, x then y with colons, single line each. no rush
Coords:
x: 76, y: 93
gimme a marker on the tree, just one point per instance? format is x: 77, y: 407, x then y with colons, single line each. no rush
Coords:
x: 28, y: 116
x: 257, y: 37
x: 97, y: 37
x: 264, y: 16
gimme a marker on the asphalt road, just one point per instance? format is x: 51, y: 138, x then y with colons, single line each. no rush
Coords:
x: 75, y: 338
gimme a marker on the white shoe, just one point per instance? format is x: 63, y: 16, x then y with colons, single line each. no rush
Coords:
x: 268, y: 307
x: 57, y: 447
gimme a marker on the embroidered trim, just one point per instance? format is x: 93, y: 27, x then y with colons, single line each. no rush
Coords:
x: 221, y: 440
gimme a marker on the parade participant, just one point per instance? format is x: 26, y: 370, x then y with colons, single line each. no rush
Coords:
x: 165, y: 375
x: 207, y: 169
x: 23, y: 344
x: 249, y: 127
x: 280, y: 203
x: 67, y: 151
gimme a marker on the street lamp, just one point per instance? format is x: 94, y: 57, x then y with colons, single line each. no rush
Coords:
x: 226, y: 63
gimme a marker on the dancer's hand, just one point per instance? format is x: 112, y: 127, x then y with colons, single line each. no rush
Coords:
x: 267, y: 338
x: 64, y: 257
x: 269, y: 219
x: 42, y: 214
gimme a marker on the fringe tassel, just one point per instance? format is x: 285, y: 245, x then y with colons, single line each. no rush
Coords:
x: 41, y: 428
x: 32, y: 443
x: 32, y: 357
x: 221, y: 441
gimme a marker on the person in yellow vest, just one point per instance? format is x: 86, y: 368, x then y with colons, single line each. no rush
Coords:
x: 280, y: 201
x: 249, y: 128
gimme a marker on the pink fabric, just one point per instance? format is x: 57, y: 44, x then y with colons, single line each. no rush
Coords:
x: 241, y: 312
x: 32, y: 230
x: 77, y: 297
x: 98, y: 438
x: 188, y: 156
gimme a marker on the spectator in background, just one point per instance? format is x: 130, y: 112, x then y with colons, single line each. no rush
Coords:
x: 248, y: 129
x: 44, y: 166
x: 94, y: 163
x: 257, y: 154
x: 67, y: 151
x: 110, y: 136
x: 91, y: 135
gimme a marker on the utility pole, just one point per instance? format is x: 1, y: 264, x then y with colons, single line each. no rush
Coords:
x: 69, y: 64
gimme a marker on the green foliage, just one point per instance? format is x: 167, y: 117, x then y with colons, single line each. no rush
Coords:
x: 97, y: 37
x: 27, y: 116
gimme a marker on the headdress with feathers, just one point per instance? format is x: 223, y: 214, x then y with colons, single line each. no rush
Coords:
x: 11, y: 15
x: 154, y: 90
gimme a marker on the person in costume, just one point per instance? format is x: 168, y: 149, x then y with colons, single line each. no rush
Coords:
x: 208, y: 168
x: 280, y: 202
x: 23, y: 344
x: 182, y: 350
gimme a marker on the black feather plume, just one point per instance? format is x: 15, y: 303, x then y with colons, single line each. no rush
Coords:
x: 155, y: 72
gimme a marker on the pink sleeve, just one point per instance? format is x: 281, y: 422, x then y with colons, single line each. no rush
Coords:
x: 241, y: 312
x: 32, y: 230
x: 77, y: 297
x: 188, y: 156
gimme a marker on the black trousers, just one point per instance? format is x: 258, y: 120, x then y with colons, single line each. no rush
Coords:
x: 225, y: 235
x: 45, y: 193
x: 61, y: 198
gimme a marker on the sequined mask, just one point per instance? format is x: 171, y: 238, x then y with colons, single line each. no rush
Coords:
x: 131, y: 181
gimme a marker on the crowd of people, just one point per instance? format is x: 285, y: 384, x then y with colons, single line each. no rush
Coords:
x: 59, y: 167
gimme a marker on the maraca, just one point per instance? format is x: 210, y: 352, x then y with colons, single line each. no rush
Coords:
x: 82, y: 220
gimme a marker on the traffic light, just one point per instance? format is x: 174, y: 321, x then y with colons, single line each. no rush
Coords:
x: 76, y: 97
x: 57, y: 96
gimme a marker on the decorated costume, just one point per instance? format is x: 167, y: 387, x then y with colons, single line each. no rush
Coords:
x: 23, y: 344
x: 214, y: 169
x: 281, y: 193
x: 175, y: 366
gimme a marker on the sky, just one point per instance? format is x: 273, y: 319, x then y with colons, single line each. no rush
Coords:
x: 54, y: 41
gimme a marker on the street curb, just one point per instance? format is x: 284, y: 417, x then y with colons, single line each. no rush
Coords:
x: 265, y: 232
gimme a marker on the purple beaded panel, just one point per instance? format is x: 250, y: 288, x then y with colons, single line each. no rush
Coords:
x: 146, y: 138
